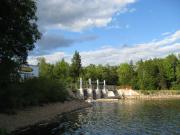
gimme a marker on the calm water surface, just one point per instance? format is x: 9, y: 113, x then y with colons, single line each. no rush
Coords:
x: 126, y: 117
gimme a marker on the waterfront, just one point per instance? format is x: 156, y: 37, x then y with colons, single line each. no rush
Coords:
x: 124, y: 117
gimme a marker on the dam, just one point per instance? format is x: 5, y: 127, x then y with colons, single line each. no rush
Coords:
x: 97, y: 90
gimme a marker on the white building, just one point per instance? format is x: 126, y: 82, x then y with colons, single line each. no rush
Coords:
x: 29, y: 71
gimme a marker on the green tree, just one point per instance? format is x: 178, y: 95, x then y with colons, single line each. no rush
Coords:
x: 61, y: 71
x: 108, y: 73
x: 90, y: 72
x: 147, y: 75
x: 18, y: 33
x: 76, y: 67
x: 125, y: 73
x: 176, y: 85
x: 45, y: 69
x: 170, y: 63
x: 161, y: 77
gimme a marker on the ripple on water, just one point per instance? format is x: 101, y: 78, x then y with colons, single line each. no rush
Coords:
x: 127, y: 117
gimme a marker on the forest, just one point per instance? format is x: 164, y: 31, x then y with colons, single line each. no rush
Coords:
x: 152, y: 74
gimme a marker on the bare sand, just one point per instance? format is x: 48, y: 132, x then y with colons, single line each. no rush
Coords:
x: 33, y: 115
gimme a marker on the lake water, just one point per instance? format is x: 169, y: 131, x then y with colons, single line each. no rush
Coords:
x: 125, y: 117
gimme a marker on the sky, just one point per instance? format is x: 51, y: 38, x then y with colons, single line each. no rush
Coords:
x: 107, y: 31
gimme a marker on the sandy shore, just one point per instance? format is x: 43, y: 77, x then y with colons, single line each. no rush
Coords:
x: 33, y: 115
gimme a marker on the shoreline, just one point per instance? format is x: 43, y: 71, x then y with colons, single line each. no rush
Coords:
x: 159, y: 97
x: 33, y: 115
x: 141, y: 97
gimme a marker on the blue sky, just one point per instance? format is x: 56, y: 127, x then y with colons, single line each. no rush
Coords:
x: 107, y: 30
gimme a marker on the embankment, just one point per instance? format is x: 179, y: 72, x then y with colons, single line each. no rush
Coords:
x: 159, y: 94
x: 149, y: 94
x: 33, y: 115
x: 144, y: 94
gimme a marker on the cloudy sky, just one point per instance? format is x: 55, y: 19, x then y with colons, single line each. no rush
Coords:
x: 107, y: 31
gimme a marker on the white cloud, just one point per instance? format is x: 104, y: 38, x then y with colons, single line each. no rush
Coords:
x: 50, y: 58
x: 114, y: 56
x: 166, y: 33
x: 77, y: 15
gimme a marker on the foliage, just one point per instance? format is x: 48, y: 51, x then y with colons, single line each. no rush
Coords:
x: 125, y: 74
x: 108, y: 73
x: 3, y: 131
x: 159, y: 73
x: 8, y: 72
x: 34, y: 91
x: 153, y: 74
x: 76, y: 67
x: 147, y: 75
x: 18, y: 33
x: 61, y: 71
x: 46, y: 69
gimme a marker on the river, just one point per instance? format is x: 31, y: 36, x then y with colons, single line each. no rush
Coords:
x: 124, y: 117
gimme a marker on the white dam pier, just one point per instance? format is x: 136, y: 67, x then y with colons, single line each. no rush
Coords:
x: 97, y: 90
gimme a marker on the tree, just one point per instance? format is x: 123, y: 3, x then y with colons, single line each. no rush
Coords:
x: 148, y: 75
x: 176, y: 84
x: 161, y: 77
x: 90, y: 72
x: 108, y: 73
x: 170, y: 63
x: 125, y: 73
x: 76, y: 67
x: 61, y: 71
x: 45, y: 69
x: 18, y: 33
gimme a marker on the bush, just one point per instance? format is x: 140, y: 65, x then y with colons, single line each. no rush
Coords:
x: 175, y: 86
x: 34, y: 91
x: 42, y: 90
x: 3, y: 132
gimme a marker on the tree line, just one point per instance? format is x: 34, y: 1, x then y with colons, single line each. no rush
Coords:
x: 153, y: 74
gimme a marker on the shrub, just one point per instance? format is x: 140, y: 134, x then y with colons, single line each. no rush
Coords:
x: 34, y: 91
x: 175, y: 86
x: 3, y: 131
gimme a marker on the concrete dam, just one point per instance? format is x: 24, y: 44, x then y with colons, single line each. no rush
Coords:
x: 97, y: 90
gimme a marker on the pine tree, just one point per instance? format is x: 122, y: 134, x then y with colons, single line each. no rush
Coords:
x: 76, y: 67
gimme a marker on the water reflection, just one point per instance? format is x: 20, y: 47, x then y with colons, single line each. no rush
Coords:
x: 126, y: 117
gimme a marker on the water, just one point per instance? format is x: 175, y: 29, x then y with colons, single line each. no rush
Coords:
x: 126, y: 117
